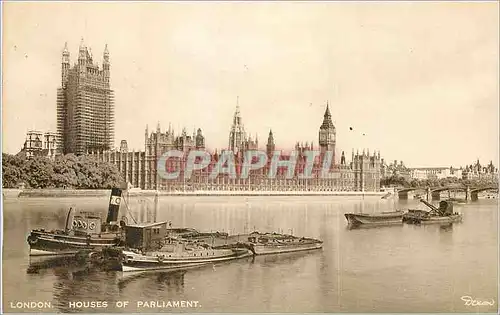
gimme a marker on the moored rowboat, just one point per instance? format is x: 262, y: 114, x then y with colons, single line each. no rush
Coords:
x: 383, y: 218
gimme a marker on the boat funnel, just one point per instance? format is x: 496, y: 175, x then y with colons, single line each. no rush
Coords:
x: 114, y: 205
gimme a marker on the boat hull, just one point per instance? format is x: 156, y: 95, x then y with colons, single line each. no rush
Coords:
x: 435, y: 220
x: 53, y: 244
x: 138, y: 262
x: 267, y: 249
x: 375, y: 219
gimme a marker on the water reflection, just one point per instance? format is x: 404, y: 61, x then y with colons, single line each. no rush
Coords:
x: 446, y: 227
x: 284, y: 259
x: 72, y: 285
x: 163, y: 280
x: 38, y: 264
x: 373, y: 226
x: 405, y: 262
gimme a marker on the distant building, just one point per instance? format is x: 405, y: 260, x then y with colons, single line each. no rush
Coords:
x: 238, y: 139
x: 85, y: 108
x: 435, y: 172
x: 327, y: 134
x: 157, y: 143
x: 362, y: 173
x: 395, y: 169
x: 139, y: 168
x: 38, y: 143
x: 478, y: 171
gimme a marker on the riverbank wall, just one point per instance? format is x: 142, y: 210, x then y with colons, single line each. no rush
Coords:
x: 71, y: 193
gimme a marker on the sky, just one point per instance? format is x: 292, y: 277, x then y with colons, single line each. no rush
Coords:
x: 420, y: 80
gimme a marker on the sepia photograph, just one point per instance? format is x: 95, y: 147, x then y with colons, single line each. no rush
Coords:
x: 281, y: 157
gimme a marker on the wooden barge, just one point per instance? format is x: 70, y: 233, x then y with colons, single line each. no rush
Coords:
x: 442, y: 215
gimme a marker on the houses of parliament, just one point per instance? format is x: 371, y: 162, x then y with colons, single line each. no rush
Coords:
x: 139, y: 169
x: 85, y: 120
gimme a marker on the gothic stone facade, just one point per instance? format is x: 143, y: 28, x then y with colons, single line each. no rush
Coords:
x: 85, y: 109
x: 362, y: 173
x: 39, y: 144
x: 140, y: 168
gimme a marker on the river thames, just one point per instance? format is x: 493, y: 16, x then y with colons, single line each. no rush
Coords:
x: 401, y: 268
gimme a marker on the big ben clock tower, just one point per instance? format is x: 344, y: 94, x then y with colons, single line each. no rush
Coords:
x: 327, y: 134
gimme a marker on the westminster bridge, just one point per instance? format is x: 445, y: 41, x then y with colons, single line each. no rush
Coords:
x: 435, y: 193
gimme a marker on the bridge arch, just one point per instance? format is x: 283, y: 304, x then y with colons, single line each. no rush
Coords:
x: 434, y: 192
x: 412, y: 189
x: 403, y: 193
x: 440, y: 189
x: 474, y: 192
x: 477, y: 190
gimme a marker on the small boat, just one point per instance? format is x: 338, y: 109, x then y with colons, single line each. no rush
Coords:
x: 148, y: 247
x: 442, y: 215
x: 387, y: 196
x: 382, y: 218
x: 274, y: 243
x: 85, y: 233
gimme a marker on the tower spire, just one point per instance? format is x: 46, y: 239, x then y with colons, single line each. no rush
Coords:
x: 105, y: 54
x: 65, y: 53
x: 327, y: 119
x: 105, y: 62
x: 237, y: 105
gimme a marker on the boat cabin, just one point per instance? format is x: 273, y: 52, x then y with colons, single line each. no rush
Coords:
x: 446, y: 207
x: 85, y: 223
x: 147, y: 236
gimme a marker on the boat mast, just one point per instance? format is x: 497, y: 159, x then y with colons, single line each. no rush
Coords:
x: 157, y: 206
x: 67, y: 219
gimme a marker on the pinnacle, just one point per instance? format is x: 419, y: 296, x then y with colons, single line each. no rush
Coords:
x: 327, y: 119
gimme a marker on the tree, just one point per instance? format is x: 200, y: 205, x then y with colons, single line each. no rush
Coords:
x: 110, y: 175
x: 395, y: 180
x: 64, y: 171
x: 415, y: 183
x: 39, y: 172
x: 12, y: 174
x: 68, y: 171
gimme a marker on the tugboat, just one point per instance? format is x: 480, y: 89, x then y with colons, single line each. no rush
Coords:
x: 148, y: 247
x: 383, y: 218
x: 443, y: 215
x: 83, y: 231
x: 274, y: 243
